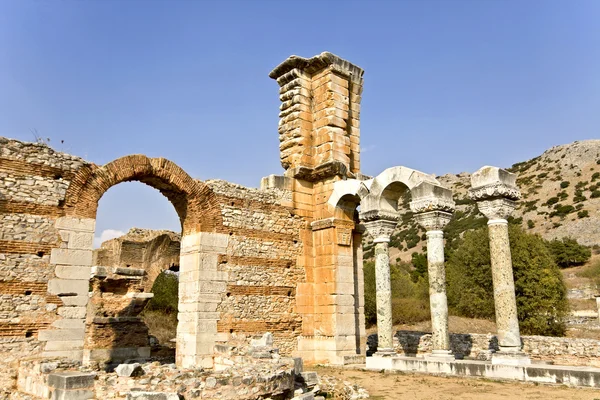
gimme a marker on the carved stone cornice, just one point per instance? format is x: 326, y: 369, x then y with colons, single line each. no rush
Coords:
x: 432, y: 203
x: 331, y: 223
x: 496, y: 209
x: 433, y: 220
x: 381, y: 229
x: 494, y: 191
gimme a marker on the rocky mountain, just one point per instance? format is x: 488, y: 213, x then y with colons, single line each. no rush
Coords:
x: 560, y: 198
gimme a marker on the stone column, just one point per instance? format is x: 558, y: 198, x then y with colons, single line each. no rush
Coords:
x: 496, y: 192
x: 380, y: 230
x: 433, y: 207
x: 434, y: 222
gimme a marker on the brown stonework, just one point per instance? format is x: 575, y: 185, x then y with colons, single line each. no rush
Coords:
x: 8, y: 329
x: 23, y: 207
x: 21, y: 247
x: 239, y: 290
x: 258, y: 326
x: 257, y: 261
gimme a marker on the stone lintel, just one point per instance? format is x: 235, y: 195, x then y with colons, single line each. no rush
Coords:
x: 317, y: 63
x: 276, y: 182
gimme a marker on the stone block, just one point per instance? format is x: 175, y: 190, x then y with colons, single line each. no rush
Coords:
x: 76, y: 355
x: 198, y: 262
x: 128, y: 370
x: 76, y: 224
x: 276, y: 182
x: 204, y: 242
x: 71, y: 380
x: 265, y: 340
x: 71, y: 257
x: 68, y: 287
x: 59, y: 335
x: 71, y: 272
x: 69, y: 324
x: 64, y: 345
x: 81, y: 394
x: 309, y: 378
x: 81, y: 240
x: 298, y: 365
x: 492, y: 175
x: 151, y: 396
x: 72, y: 312
x: 75, y: 300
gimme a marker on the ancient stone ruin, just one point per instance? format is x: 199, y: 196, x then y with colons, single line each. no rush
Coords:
x: 285, y: 258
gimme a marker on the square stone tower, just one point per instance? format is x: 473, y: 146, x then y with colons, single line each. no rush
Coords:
x: 319, y: 134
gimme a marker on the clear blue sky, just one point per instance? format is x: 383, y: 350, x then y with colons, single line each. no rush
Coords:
x: 449, y: 85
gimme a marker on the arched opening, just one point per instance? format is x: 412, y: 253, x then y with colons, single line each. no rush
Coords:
x: 199, y: 216
x: 137, y: 244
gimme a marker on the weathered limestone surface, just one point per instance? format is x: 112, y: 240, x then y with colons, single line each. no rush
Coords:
x: 433, y: 206
x: 381, y: 230
x: 495, y: 191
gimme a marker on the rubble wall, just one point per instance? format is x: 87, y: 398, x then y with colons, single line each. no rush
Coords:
x: 558, y: 350
x: 33, y: 182
x: 260, y: 262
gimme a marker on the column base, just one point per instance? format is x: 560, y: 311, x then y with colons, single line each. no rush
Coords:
x: 510, y: 358
x: 384, y: 352
x: 440, y: 355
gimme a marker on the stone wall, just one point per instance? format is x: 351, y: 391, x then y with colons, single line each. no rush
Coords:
x: 557, y: 350
x: 260, y: 263
x: 33, y: 181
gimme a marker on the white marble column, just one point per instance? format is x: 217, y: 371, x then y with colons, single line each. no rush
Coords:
x: 434, y: 222
x: 496, y: 192
x: 381, y: 230
x: 433, y: 207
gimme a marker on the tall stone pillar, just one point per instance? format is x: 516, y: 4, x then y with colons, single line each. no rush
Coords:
x: 433, y: 207
x: 495, y: 191
x: 381, y: 228
x: 319, y: 143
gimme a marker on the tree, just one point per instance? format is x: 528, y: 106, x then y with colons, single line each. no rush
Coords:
x: 419, y: 262
x: 567, y: 252
x: 165, y: 289
x: 539, y: 287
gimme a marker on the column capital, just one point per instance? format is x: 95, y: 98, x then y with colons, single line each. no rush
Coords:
x: 493, y: 182
x: 433, y: 220
x: 381, y: 229
x: 496, y: 209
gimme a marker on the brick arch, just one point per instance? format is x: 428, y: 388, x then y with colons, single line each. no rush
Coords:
x: 194, y: 201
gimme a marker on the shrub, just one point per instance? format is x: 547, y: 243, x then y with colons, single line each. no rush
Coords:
x: 530, y: 224
x: 592, y: 272
x: 540, y: 290
x: 562, y: 210
x: 166, y: 293
x: 595, y: 194
x: 552, y: 200
x: 567, y: 252
x: 595, y: 176
x: 543, y: 175
x: 410, y: 300
x: 564, y: 184
x: 419, y: 262
x: 583, y: 214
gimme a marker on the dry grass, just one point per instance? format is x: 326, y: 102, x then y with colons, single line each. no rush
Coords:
x: 162, y: 326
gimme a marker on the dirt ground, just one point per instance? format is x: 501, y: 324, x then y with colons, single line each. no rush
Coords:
x: 388, y: 386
